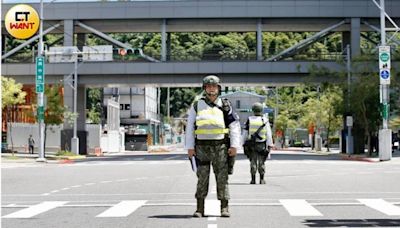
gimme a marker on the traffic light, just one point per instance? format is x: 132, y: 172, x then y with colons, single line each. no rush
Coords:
x: 133, y: 51
x: 129, y: 51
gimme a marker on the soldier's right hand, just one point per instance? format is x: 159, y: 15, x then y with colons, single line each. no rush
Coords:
x: 191, y: 153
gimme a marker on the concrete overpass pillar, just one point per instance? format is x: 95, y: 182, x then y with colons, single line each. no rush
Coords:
x: 355, y: 37
x: 259, y: 40
x: 68, y: 32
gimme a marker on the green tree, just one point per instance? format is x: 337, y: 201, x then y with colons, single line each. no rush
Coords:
x: 290, y: 107
x: 321, y: 110
x: 11, y: 95
x: 363, y: 103
x: 56, y: 113
x: 94, y: 104
x: 180, y: 100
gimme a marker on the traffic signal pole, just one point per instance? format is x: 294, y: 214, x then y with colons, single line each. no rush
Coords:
x: 385, y: 134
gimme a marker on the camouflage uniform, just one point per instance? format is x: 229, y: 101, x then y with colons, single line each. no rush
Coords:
x: 212, y: 128
x: 216, y: 155
x: 257, y: 159
x: 257, y: 148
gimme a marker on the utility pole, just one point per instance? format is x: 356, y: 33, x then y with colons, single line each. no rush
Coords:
x: 75, y: 139
x: 40, y: 92
x: 349, y: 117
x: 385, y: 134
x: 318, y: 139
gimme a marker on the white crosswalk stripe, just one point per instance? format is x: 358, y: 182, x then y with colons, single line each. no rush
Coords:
x: 382, y: 206
x: 212, y: 208
x: 35, y: 209
x: 123, y: 208
x: 299, y: 207
x: 294, y: 207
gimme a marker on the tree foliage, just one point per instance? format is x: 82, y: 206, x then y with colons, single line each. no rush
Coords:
x: 11, y: 92
x: 11, y: 95
x: 94, y: 104
x: 180, y: 100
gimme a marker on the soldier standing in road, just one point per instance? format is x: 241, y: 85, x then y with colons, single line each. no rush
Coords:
x: 31, y: 144
x: 212, y: 134
x: 257, y: 138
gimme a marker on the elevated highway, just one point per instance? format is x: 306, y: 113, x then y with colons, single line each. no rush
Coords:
x: 76, y: 19
x: 175, y: 74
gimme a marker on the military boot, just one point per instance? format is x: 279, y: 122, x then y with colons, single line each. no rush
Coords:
x: 225, y: 209
x: 262, y: 181
x: 253, y: 179
x: 200, y: 209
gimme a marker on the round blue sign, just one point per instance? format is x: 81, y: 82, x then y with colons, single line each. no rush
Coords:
x: 385, y: 74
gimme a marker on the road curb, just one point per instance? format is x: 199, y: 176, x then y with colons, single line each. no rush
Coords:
x: 358, y: 158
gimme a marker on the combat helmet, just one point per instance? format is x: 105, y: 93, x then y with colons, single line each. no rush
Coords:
x: 211, y: 79
x: 257, y: 108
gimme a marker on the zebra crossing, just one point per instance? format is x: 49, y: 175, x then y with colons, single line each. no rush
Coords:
x: 293, y: 207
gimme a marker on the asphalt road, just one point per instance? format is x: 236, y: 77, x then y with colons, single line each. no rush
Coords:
x: 302, y: 190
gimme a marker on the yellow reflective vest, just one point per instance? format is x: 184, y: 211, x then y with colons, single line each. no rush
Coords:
x: 210, y: 124
x: 256, y: 122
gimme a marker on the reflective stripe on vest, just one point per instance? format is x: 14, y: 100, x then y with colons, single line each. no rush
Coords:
x: 256, y: 122
x: 210, y: 124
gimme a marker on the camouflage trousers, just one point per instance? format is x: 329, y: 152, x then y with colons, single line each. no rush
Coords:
x: 257, y: 162
x: 215, y: 155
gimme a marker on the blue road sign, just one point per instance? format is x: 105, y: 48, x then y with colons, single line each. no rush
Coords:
x: 385, y: 74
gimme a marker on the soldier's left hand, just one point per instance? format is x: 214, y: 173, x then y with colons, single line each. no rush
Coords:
x: 232, y: 151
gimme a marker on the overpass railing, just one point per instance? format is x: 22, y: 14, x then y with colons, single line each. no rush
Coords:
x: 28, y: 56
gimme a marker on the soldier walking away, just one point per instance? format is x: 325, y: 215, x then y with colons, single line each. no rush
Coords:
x: 31, y: 144
x: 212, y: 136
x: 257, y: 138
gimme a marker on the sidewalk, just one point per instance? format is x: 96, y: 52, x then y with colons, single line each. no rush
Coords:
x: 175, y: 149
x: 51, y: 157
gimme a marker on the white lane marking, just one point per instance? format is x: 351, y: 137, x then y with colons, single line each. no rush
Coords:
x: 105, y: 182
x: 76, y: 186
x: 212, y: 208
x: 212, y: 226
x: 65, y: 189
x: 54, y: 191
x: 382, y: 206
x: 35, y: 209
x: 299, y: 207
x: 88, y: 184
x: 123, y: 209
x: 45, y: 194
x: 212, y: 219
